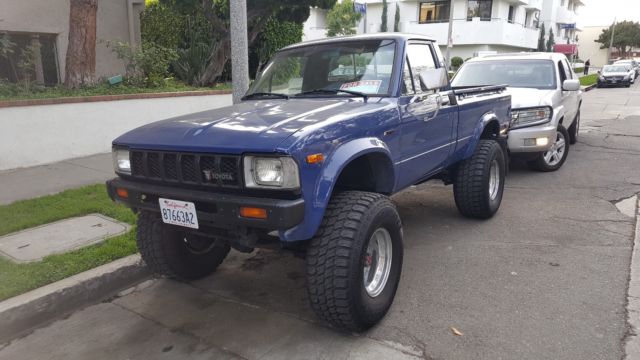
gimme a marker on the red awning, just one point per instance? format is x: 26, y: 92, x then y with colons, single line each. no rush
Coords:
x: 567, y: 49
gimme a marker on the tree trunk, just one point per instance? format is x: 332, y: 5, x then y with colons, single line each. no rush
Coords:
x: 80, y: 68
x: 219, y: 57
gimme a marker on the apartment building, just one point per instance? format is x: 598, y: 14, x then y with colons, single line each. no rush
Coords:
x: 479, y: 26
x: 562, y: 17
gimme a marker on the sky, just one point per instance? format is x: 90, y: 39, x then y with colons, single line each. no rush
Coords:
x: 602, y: 12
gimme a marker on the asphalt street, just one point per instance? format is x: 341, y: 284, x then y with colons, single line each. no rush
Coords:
x: 546, y: 278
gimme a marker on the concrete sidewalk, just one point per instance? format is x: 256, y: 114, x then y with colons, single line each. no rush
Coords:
x: 26, y: 183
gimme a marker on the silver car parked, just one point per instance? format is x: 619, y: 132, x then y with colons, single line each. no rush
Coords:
x: 546, y: 100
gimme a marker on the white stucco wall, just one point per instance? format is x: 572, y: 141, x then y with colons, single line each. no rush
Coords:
x: 42, y: 134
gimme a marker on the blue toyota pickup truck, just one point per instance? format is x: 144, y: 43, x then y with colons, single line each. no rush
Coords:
x: 307, y: 161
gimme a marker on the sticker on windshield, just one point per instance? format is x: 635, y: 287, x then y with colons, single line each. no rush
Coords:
x: 365, y: 86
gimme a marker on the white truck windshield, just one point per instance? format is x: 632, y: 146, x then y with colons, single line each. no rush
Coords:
x: 538, y: 74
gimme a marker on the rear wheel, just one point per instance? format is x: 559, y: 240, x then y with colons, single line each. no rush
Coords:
x: 479, y: 181
x: 554, y: 158
x: 168, y: 250
x: 355, y: 259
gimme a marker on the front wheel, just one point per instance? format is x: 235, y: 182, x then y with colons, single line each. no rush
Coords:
x: 355, y: 259
x: 554, y: 158
x: 479, y: 181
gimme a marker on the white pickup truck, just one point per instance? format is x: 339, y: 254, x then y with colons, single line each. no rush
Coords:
x: 546, y: 100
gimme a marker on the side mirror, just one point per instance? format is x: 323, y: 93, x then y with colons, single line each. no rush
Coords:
x: 434, y: 79
x: 571, y: 85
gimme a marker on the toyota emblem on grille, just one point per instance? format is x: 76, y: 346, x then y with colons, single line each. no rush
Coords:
x: 212, y: 175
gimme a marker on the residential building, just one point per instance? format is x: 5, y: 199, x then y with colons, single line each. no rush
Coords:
x: 46, y: 22
x: 316, y: 25
x: 562, y: 17
x: 479, y: 26
x: 589, y: 49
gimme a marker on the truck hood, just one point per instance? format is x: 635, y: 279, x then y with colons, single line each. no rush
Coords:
x: 251, y: 126
x: 530, y: 97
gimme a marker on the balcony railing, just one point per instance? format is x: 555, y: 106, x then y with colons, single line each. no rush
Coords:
x: 495, y: 31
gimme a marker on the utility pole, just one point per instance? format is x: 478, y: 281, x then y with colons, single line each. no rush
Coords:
x: 450, y: 36
x: 613, y: 31
x: 239, y: 49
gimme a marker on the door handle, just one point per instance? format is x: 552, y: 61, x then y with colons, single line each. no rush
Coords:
x: 435, y: 112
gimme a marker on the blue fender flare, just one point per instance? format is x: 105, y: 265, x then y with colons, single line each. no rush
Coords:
x: 317, y: 200
x: 485, y: 120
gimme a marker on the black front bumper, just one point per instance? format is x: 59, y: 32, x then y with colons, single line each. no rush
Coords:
x: 607, y: 82
x: 214, y: 209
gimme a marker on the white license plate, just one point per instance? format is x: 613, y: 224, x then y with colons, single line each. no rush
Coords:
x: 178, y: 212
x: 614, y: 81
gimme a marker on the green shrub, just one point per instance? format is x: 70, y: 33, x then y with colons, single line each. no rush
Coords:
x: 146, y: 65
x: 161, y: 25
x: 194, y: 50
x: 276, y: 35
x: 456, y: 62
x: 579, y: 70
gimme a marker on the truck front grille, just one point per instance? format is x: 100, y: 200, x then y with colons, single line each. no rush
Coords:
x: 186, y: 168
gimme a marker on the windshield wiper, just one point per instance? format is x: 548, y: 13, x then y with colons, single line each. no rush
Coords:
x: 332, y: 91
x: 265, y: 94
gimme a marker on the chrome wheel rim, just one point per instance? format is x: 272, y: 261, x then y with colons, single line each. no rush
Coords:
x: 377, y: 262
x: 554, y: 155
x: 494, y: 180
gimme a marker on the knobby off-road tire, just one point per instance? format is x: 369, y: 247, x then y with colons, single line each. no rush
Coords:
x: 574, y: 129
x: 479, y: 181
x: 171, y: 251
x: 560, y: 148
x: 341, y: 260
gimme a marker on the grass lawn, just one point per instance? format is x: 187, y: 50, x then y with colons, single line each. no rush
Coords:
x: 12, y: 92
x: 589, y: 80
x: 19, y: 278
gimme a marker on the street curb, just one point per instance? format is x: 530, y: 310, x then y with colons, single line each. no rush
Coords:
x: 22, y: 313
x: 632, y: 341
x: 589, y: 88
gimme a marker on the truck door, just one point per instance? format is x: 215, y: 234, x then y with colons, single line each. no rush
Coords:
x: 569, y: 98
x: 427, y: 119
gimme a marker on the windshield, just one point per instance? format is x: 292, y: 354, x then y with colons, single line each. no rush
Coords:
x: 615, y: 68
x: 539, y: 74
x: 363, y: 66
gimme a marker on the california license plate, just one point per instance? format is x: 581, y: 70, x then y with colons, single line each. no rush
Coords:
x: 178, y: 212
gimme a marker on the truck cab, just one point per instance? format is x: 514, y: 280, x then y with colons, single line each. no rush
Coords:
x: 307, y: 161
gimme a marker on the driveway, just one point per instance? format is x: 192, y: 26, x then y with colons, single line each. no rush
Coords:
x: 544, y: 279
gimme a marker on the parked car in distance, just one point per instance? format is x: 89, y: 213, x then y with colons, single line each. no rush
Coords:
x: 307, y: 161
x: 616, y: 75
x: 546, y: 99
x: 634, y: 64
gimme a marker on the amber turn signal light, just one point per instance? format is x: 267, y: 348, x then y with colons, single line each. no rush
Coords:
x: 123, y: 193
x: 254, y: 213
x: 315, y: 158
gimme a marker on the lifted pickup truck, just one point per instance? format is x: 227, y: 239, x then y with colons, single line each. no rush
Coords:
x: 328, y: 130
